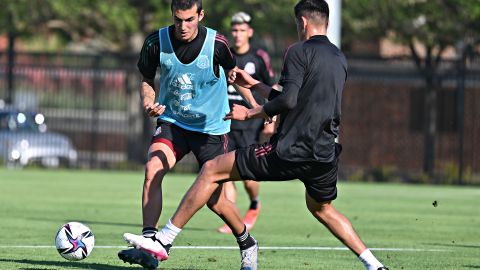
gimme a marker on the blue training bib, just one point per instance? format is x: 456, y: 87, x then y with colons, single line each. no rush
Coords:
x: 194, y: 97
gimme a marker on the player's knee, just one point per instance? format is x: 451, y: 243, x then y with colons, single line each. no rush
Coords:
x: 209, y: 171
x: 209, y: 166
x: 154, y: 170
x: 319, y: 209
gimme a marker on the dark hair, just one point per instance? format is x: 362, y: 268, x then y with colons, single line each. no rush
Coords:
x: 312, y: 9
x: 186, y: 4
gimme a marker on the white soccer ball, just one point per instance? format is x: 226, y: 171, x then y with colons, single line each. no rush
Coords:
x: 74, y: 241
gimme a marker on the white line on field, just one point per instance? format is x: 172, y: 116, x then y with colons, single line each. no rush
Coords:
x: 261, y: 247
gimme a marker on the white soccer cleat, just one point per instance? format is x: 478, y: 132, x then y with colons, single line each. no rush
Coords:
x: 148, y: 244
x: 249, y: 258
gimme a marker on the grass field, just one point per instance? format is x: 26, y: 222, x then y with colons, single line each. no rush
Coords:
x: 399, y: 221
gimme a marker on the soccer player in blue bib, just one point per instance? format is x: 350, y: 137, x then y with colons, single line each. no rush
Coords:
x: 190, y: 106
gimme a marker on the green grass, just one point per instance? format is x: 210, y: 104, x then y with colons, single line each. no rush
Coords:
x: 35, y: 203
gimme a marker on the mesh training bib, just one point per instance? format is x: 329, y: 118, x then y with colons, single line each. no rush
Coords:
x: 194, y: 97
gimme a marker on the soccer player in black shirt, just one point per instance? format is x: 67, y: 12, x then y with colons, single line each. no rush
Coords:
x: 313, y: 77
x: 255, y: 62
x: 190, y: 106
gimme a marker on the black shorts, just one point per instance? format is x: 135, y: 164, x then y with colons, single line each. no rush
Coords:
x: 240, y: 138
x: 261, y: 163
x: 181, y: 141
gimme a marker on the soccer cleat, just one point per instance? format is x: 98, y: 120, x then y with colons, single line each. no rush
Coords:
x: 148, y: 244
x: 382, y: 268
x: 136, y: 256
x: 249, y: 258
x: 251, y: 217
x: 224, y: 229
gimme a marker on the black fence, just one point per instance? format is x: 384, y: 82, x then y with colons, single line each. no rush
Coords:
x: 93, y: 101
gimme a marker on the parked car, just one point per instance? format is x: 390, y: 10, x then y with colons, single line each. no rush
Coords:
x: 24, y: 140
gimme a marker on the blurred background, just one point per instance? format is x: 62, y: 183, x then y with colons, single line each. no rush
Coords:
x: 69, y: 83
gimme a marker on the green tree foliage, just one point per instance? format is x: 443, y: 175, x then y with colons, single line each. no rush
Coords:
x: 435, y: 24
x: 112, y: 24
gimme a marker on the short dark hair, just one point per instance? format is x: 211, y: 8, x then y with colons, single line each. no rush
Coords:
x: 312, y: 9
x: 186, y: 4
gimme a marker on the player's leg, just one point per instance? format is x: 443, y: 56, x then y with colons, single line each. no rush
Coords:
x: 207, y: 189
x: 213, y: 173
x: 252, y: 188
x: 166, y: 149
x: 246, y: 138
x: 246, y: 163
x: 230, y: 191
x: 320, y: 180
x: 337, y: 223
x: 210, y: 178
x: 343, y: 230
x: 160, y: 160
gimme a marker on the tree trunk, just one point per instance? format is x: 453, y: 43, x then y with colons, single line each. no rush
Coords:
x: 430, y: 126
x: 10, y: 68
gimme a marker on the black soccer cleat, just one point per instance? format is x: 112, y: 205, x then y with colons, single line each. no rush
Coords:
x: 382, y: 268
x: 136, y: 256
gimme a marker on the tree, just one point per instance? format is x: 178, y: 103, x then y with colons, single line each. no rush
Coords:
x: 110, y: 24
x: 433, y: 25
x: 114, y: 23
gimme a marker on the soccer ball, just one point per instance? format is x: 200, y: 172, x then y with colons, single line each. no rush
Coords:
x: 74, y: 241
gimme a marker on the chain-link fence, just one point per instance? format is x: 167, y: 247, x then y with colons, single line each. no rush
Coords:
x: 93, y: 100
x: 383, y: 127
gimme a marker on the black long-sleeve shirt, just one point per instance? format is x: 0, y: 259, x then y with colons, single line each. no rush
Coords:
x: 313, y: 77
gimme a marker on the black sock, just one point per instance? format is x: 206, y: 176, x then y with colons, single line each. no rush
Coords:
x: 149, y: 231
x: 254, y: 204
x: 245, y: 240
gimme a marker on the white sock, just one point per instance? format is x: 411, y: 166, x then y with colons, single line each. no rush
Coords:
x: 168, y: 233
x: 369, y: 260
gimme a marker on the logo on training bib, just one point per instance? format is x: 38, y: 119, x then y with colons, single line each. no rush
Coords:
x: 184, y: 81
x: 203, y: 62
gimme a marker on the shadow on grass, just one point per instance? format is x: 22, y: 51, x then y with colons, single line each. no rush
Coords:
x: 78, y: 265
x: 133, y: 225
x: 472, y: 266
x: 138, y: 226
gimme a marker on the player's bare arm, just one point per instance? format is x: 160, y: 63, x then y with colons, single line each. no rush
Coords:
x: 147, y: 92
x: 244, y: 92
x: 244, y: 79
x: 242, y: 113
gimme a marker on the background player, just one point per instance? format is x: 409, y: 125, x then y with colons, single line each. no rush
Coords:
x: 255, y: 62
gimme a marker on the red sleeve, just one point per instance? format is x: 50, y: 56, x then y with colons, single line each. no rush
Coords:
x: 266, y: 72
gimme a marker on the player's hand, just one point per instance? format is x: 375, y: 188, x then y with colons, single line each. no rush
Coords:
x: 238, y: 112
x: 231, y: 76
x: 154, y: 110
x: 244, y: 79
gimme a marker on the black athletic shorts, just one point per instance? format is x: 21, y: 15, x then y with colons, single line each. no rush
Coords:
x: 181, y: 141
x: 261, y: 163
x: 240, y: 138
